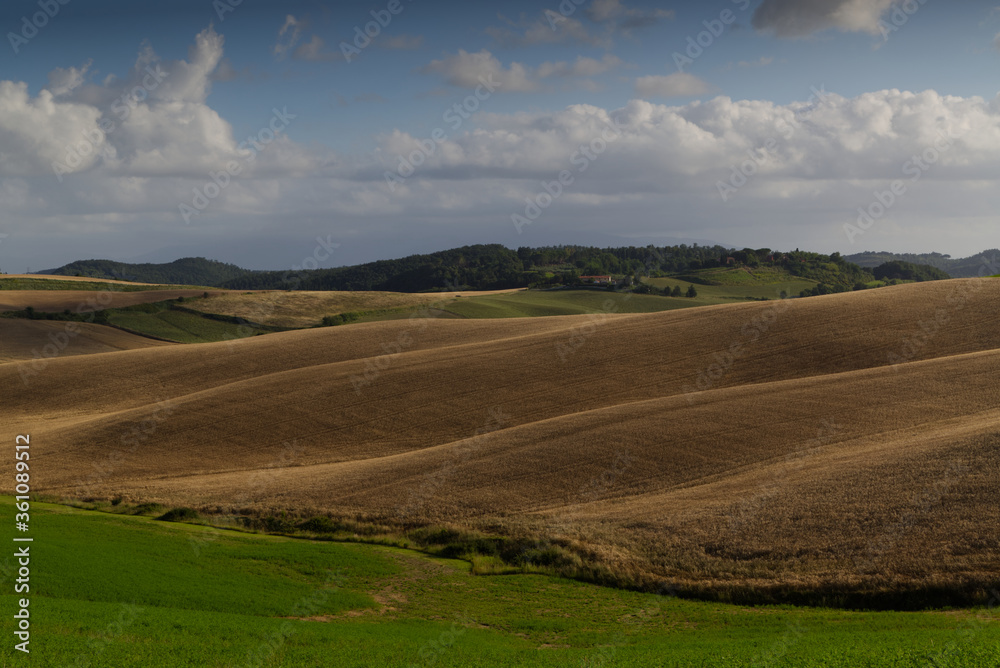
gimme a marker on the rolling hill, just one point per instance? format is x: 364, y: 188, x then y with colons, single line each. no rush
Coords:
x: 969, y: 267
x: 496, y: 267
x: 38, y: 339
x: 185, y: 271
x: 838, y: 446
x: 86, y: 301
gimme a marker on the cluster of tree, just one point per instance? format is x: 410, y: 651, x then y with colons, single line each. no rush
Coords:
x: 341, y: 318
x: 186, y: 271
x: 589, y: 261
x: 29, y: 312
x: 480, y: 267
x: 891, y: 273
x: 968, y: 267
x: 666, y: 291
x: 907, y: 271
x: 831, y: 270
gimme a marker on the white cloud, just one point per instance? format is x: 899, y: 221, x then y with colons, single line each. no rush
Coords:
x: 190, y: 80
x: 63, y: 81
x: 829, y: 143
x: 35, y: 131
x: 800, y: 18
x: 678, y: 84
x: 470, y: 70
x: 581, y: 67
x: 153, y: 122
x: 288, y: 36
x: 828, y: 158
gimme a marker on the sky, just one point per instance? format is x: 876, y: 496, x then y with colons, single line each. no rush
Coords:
x: 265, y: 133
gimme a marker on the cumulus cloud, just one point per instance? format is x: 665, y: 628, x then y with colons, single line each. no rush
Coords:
x: 190, y: 80
x: 825, y: 158
x: 152, y: 122
x: 678, y: 84
x: 800, y: 18
x: 655, y: 149
x: 34, y: 132
x: 63, y: 81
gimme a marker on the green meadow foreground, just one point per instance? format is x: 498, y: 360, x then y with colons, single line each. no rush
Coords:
x: 115, y: 590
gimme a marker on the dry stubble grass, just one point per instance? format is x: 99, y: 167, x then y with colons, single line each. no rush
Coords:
x: 599, y: 445
x: 306, y: 309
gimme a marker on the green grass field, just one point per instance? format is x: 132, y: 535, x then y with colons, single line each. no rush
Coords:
x: 723, y: 294
x: 743, y: 276
x: 178, y: 326
x: 115, y: 590
x: 533, y: 303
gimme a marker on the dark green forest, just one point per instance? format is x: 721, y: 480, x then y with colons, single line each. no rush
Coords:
x: 494, y: 267
x: 186, y: 271
x: 908, y: 271
x: 983, y: 264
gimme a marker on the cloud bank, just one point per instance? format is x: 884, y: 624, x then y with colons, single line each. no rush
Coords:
x: 143, y: 143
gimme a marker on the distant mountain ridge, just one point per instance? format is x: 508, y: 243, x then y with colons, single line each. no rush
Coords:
x: 494, y: 266
x: 969, y: 267
x: 185, y: 271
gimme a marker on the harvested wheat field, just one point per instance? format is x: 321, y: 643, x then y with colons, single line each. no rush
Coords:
x: 43, y: 339
x: 846, y: 443
x: 306, y: 309
x: 84, y: 279
x: 86, y: 301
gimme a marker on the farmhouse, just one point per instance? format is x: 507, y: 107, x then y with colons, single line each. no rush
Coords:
x: 596, y: 280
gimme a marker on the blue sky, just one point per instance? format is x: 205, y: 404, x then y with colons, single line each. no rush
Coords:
x: 834, y: 98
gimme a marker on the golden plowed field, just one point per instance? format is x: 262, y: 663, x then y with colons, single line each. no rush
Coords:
x: 85, y: 301
x: 44, y: 339
x: 58, y: 277
x: 847, y: 442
